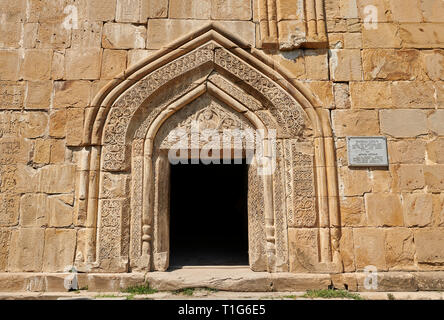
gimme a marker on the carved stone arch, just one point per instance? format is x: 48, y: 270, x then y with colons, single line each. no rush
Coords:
x: 116, y: 195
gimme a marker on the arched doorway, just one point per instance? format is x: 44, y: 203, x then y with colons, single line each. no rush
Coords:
x: 125, y: 145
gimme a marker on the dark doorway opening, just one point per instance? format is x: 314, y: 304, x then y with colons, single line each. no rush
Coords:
x: 208, y: 214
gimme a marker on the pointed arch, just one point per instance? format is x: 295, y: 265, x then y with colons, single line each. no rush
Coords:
x: 264, y: 93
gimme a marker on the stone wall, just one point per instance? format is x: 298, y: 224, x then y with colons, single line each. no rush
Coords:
x: 386, y: 78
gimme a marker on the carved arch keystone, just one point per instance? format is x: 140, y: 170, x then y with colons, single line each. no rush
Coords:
x: 123, y: 170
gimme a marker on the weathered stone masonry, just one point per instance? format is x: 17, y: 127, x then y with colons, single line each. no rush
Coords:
x: 82, y: 105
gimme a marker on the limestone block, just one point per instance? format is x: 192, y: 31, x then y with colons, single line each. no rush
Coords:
x: 386, y: 35
x: 33, y: 124
x: 355, y: 122
x: 352, y: 211
x: 354, y: 25
x: 353, y: 182
x: 346, y: 248
x: 101, y: 10
x: 417, y: 208
x: 14, y: 150
x: 30, y: 35
x: 303, y: 249
x: 57, y: 179
x: 42, y: 151
x: 352, y: 40
x: 345, y: 64
x: 370, y: 95
x: 406, y: 10
x: 322, y: 90
x: 390, y: 282
x: 390, y: 64
x: 53, y: 10
x: 341, y: 152
x: 438, y: 209
x: 12, y: 124
x: 10, y: 35
x: 440, y: 94
x: 337, y: 25
x: 381, y: 180
x: 9, y: 65
x: 11, y: 95
x: 58, y: 65
x: 135, y: 11
x: 36, y: 64
x: 293, y: 61
x: 52, y: 36
x: 435, y: 151
x: 137, y: 55
x: 369, y: 246
x: 407, y: 94
x: 332, y: 9
x: 87, y: 35
x: 16, y: 10
x: 57, y: 151
x: 435, y: 122
x: 34, y: 210
x: 403, y: 123
x: 57, y: 123
x: 83, y: 63
x: 429, y: 245
x: 231, y: 9
x: 161, y: 32
x: 192, y: 9
x: 336, y: 41
x: 123, y: 36
x: 384, y: 210
x: 72, y: 94
x: 26, y: 250
x: 291, y: 33
x: 74, y: 126
x: 26, y: 179
x: 113, y: 63
x: 59, y: 249
x: 429, y: 281
x: 156, y: 8
x: 407, y: 151
x: 9, y: 209
x: 60, y: 210
x: 433, y: 63
x: 316, y: 64
x: 38, y: 95
x: 411, y: 177
x: 434, y: 177
x: 422, y: 35
x: 399, y: 248
x: 432, y: 11
x: 5, y: 236
x: 342, y: 95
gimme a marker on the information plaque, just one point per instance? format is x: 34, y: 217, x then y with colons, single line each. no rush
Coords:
x: 367, y: 152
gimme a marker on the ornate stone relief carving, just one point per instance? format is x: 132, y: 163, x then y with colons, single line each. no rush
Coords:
x: 292, y: 24
x: 127, y: 225
x: 206, y: 113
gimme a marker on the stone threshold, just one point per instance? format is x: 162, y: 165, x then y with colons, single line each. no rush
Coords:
x: 205, y: 295
x: 224, y: 279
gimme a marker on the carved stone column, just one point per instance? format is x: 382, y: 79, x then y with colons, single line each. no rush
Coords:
x: 288, y: 25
